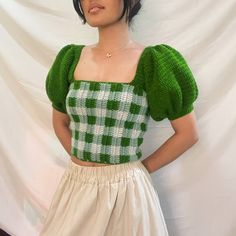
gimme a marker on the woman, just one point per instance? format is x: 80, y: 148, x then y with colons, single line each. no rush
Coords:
x: 102, y: 96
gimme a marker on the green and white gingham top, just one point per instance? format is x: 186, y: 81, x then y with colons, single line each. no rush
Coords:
x: 108, y: 119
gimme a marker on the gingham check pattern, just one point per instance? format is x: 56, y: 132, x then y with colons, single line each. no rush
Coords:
x: 108, y: 121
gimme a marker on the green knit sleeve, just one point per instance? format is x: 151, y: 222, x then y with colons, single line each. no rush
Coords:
x: 170, y: 85
x: 57, y: 82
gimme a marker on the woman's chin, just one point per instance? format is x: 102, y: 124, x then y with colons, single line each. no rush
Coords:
x: 100, y: 22
x: 96, y: 24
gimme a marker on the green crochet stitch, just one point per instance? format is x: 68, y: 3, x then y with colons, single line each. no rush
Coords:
x: 109, y: 119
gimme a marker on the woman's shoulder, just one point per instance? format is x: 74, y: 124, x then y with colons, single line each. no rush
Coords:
x: 57, y: 78
x: 164, y: 56
x: 162, y: 50
x: 169, y: 82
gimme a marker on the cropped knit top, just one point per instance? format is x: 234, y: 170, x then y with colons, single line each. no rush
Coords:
x: 108, y: 119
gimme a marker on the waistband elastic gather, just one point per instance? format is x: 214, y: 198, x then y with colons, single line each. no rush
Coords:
x: 108, y: 173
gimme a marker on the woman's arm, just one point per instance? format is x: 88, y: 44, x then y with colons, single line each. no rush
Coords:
x: 61, y: 122
x: 185, y: 136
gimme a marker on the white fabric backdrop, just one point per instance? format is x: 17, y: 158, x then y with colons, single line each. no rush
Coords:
x: 197, y: 191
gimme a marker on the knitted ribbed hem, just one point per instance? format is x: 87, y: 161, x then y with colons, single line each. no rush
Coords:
x: 182, y: 113
x: 58, y: 108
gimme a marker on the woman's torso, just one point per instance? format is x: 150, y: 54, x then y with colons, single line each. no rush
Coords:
x: 95, y: 66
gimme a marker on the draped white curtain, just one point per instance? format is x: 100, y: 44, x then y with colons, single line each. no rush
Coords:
x: 198, y: 190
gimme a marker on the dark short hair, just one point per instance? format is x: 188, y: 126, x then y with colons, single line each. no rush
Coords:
x: 131, y: 10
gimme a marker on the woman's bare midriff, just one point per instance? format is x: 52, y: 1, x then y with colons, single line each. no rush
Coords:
x: 87, y: 163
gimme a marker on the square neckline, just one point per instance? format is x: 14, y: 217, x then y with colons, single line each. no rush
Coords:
x: 107, y: 82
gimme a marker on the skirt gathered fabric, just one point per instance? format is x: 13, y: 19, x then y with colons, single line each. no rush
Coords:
x: 113, y: 200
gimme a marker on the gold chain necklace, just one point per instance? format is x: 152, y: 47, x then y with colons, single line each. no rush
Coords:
x: 109, y: 54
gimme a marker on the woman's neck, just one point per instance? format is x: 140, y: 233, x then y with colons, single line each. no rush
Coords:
x: 114, y: 36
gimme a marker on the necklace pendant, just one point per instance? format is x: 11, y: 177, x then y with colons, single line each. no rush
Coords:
x: 108, y: 55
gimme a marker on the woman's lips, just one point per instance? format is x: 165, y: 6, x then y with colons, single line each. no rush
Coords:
x: 95, y: 9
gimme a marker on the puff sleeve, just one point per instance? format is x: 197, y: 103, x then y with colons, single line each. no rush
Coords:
x: 170, y: 85
x: 57, y: 81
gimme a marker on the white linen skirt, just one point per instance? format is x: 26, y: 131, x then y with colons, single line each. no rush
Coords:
x: 113, y: 200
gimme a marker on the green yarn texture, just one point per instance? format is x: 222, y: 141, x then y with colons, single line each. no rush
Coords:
x: 108, y: 119
x: 163, y: 72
